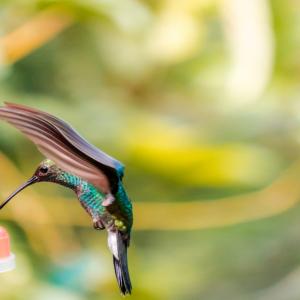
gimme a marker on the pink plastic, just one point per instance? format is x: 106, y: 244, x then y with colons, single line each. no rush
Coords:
x: 7, y: 259
x: 4, y: 243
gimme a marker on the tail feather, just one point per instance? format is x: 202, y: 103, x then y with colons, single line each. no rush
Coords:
x: 118, y: 247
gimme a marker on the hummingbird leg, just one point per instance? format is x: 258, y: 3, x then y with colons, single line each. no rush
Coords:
x: 109, y: 200
x: 98, y: 224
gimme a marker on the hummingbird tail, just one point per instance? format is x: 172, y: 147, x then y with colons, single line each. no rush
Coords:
x: 118, y: 247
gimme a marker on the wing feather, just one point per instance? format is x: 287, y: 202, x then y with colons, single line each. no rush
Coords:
x: 56, y: 143
x: 73, y: 137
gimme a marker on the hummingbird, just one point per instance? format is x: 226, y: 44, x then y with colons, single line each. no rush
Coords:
x: 94, y: 176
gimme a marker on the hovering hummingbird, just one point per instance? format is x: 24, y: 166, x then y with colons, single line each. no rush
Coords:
x: 94, y: 176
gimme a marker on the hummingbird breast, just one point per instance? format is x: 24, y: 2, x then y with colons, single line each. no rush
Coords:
x: 117, y: 216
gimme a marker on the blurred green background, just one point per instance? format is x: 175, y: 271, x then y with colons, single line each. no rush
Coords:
x: 200, y: 100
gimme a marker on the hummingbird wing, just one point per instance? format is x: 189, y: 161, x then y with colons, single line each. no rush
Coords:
x: 58, y: 141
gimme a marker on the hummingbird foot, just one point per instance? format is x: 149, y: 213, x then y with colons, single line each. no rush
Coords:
x: 98, y: 224
x: 109, y: 200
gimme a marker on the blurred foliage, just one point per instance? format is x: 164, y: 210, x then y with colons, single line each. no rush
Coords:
x: 200, y: 101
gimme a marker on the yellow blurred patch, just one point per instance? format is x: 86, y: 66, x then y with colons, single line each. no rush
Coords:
x: 172, y: 151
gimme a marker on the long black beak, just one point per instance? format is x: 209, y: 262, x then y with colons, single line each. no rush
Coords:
x: 32, y: 180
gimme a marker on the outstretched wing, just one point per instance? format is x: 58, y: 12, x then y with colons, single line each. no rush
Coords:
x: 58, y: 141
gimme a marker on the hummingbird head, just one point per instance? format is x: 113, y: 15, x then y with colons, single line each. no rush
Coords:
x: 46, y: 171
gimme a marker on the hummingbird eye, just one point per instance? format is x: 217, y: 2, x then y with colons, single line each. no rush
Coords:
x: 44, y: 170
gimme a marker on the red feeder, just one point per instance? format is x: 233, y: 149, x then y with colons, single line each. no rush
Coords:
x: 7, y: 259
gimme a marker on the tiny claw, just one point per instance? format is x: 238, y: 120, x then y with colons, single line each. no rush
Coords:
x: 98, y: 225
x: 109, y: 200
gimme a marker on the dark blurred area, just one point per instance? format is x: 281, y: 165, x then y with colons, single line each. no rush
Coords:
x: 199, y: 100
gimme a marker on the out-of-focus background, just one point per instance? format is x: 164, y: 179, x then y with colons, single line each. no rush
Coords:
x: 201, y: 101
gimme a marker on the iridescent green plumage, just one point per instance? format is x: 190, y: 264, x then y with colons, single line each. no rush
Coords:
x: 119, y: 214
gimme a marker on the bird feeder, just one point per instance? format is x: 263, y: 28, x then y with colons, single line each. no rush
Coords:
x: 7, y: 259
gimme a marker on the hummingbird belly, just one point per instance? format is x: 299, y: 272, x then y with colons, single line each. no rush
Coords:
x: 92, y: 201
